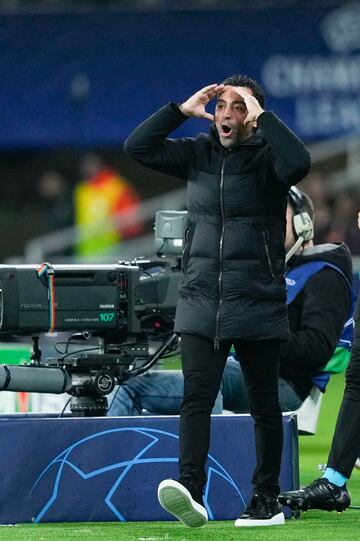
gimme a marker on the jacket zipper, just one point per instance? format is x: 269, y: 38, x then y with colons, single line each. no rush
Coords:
x: 186, y: 245
x: 221, y: 250
x: 267, y: 250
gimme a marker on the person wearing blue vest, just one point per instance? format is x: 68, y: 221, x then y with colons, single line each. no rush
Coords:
x: 320, y: 334
x: 329, y: 492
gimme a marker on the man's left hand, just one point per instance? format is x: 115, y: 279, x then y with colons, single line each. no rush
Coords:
x: 252, y: 105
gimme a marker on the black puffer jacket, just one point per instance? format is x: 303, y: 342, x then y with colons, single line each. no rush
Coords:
x: 233, y: 284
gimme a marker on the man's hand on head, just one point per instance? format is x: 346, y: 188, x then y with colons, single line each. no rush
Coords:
x: 195, y: 105
x: 252, y: 105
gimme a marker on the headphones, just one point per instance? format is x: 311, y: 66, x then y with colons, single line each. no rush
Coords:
x: 302, y: 223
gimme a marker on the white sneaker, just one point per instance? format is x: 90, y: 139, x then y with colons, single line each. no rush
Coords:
x: 262, y: 510
x: 250, y: 522
x: 177, y: 500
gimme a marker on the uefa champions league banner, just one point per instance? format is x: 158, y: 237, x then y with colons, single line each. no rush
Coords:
x: 90, y: 78
x: 108, y: 469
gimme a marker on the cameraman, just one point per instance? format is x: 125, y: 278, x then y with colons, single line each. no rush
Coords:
x: 329, y: 492
x: 316, y: 322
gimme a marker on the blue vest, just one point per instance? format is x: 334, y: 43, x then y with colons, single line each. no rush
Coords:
x: 295, y: 281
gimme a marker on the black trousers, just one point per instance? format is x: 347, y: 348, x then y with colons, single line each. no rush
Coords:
x: 202, y: 368
x: 345, y: 447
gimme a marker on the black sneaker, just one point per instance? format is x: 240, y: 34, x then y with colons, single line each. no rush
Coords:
x: 262, y: 510
x: 188, y: 507
x: 320, y: 494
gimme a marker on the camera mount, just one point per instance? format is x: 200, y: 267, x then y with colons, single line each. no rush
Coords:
x: 123, y: 307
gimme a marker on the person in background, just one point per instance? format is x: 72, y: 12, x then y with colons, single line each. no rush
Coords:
x: 329, y: 492
x: 106, y: 208
x: 233, y: 286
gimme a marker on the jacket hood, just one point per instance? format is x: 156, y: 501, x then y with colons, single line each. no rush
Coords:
x: 337, y: 254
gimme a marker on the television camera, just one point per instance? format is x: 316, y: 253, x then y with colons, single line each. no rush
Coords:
x: 119, y: 317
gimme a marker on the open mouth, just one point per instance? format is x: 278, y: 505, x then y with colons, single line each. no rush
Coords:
x: 226, y: 130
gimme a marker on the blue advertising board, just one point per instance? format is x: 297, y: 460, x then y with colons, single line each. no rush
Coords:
x: 108, y: 469
x: 89, y: 78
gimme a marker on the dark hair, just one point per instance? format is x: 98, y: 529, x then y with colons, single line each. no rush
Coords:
x: 301, y: 202
x: 244, y: 80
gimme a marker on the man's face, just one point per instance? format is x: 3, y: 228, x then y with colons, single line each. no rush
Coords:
x: 230, y: 113
x: 290, y: 237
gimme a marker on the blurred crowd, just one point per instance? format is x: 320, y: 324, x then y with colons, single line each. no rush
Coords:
x: 103, y: 193
x: 335, y: 211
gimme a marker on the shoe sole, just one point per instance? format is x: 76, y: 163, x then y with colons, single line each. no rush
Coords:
x: 276, y: 520
x: 177, y: 501
x: 300, y: 504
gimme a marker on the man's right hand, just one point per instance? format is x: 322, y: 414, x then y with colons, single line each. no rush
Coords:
x: 195, y: 105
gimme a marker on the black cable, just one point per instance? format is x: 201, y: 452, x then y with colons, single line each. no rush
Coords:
x: 145, y: 272
x: 170, y: 354
x: 155, y: 357
x: 64, y: 408
x: 159, y: 252
x: 79, y: 351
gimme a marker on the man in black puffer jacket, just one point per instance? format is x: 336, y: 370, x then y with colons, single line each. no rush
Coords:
x: 233, y: 289
x: 320, y: 330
